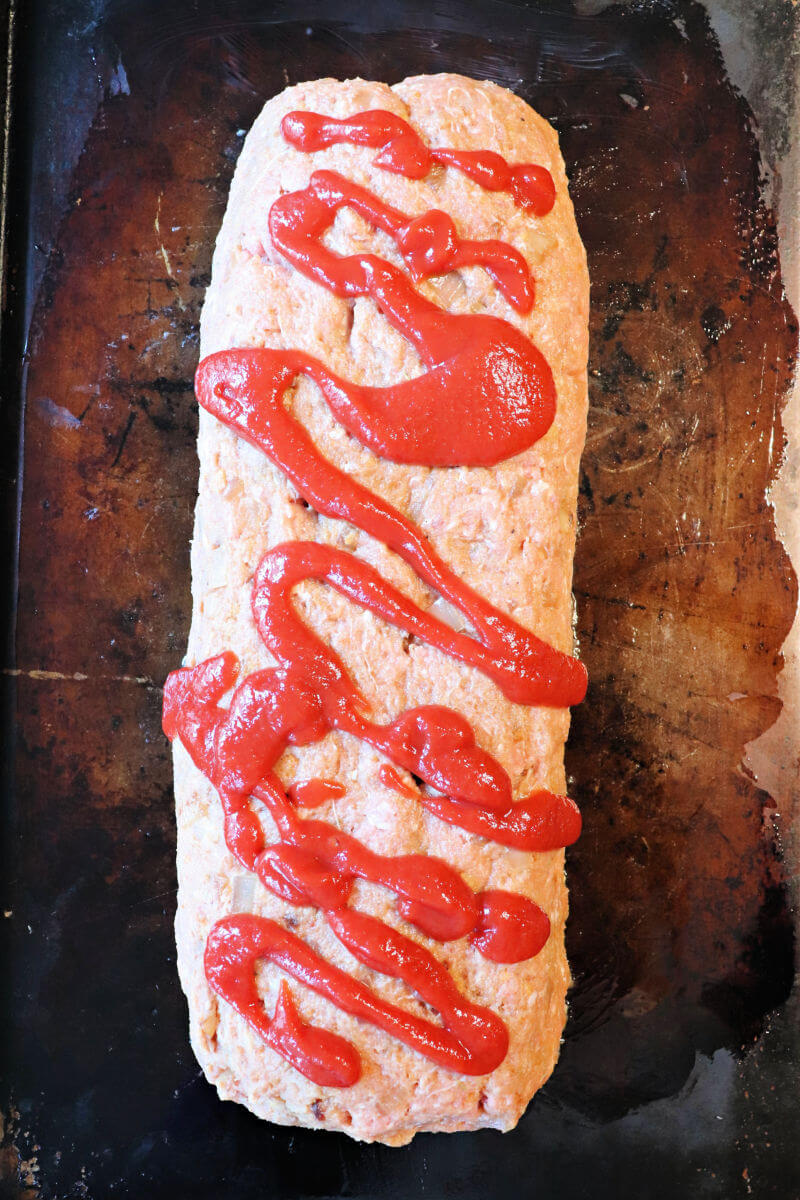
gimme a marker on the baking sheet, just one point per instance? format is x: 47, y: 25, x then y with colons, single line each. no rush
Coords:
x: 681, y: 1046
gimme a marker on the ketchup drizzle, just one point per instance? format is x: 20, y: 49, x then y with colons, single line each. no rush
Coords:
x: 487, y: 395
x: 429, y: 244
x: 403, y: 151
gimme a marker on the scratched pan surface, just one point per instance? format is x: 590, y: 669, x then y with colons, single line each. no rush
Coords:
x: 678, y: 1074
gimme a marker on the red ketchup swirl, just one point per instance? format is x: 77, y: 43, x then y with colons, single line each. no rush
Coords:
x: 487, y: 394
x: 403, y: 151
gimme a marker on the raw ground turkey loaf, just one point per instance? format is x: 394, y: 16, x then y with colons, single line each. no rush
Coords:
x: 508, y: 531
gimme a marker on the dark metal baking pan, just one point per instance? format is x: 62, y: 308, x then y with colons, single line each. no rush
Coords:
x: 127, y: 118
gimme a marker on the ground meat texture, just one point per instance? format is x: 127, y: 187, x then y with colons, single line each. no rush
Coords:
x: 509, y: 532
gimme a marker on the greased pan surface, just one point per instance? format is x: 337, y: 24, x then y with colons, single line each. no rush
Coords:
x: 127, y: 122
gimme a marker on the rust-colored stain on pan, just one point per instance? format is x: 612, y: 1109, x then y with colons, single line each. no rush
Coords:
x: 680, y: 936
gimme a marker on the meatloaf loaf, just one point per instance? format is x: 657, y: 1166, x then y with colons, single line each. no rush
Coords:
x: 506, y: 529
